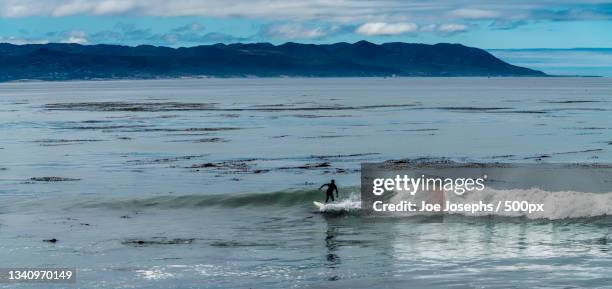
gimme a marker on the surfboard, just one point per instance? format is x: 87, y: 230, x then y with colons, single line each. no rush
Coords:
x: 319, y: 205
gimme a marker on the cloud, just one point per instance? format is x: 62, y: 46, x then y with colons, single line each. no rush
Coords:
x: 174, y: 39
x: 75, y: 36
x: 113, y: 7
x: 71, y: 7
x: 130, y: 34
x: 293, y: 31
x: 340, y: 11
x: 428, y: 28
x: 193, y: 27
x: 217, y: 37
x: 299, y: 30
x: 444, y: 29
x: 71, y: 36
x: 507, y: 24
x: 468, y: 13
x: 451, y: 28
x: 294, y: 19
x: 192, y: 34
x: 382, y: 28
x: 21, y: 41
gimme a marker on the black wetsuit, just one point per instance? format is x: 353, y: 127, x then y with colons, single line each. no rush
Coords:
x: 331, y: 187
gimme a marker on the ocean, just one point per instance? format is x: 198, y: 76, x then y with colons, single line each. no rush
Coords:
x: 209, y: 183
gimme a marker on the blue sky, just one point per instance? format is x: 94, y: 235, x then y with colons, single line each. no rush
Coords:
x: 590, y: 61
x: 480, y: 23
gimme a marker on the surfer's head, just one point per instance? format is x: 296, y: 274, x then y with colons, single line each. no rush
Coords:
x: 332, y: 181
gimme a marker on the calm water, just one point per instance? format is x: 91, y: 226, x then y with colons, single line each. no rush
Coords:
x: 208, y: 183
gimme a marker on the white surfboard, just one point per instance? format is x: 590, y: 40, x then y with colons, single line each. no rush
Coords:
x: 319, y: 205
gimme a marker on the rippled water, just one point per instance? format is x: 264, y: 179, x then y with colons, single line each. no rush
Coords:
x: 209, y: 183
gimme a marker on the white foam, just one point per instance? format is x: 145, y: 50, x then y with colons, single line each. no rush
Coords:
x: 352, y: 203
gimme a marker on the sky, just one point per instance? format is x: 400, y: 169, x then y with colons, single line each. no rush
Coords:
x: 485, y: 24
x: 584, y: 62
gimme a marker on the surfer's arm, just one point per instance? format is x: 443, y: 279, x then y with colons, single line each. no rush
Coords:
x: 336, y: 188
x: 322, y: 186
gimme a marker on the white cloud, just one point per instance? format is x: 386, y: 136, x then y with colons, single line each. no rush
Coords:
x: 444, y: 29
x: 71, y: 8
x: 452, y: 28
x: 196, y: 27
x: 428, y: 28
x: 382, y: 28
x: 293, y: 31
x: 113, y: 7
x: 468, y: 13
x: 76, y: 36
x: 21, y: 41
x: 328, y: 10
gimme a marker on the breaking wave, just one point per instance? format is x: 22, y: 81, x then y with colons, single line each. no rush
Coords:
x: 557, y: 205
x: 352, y: 204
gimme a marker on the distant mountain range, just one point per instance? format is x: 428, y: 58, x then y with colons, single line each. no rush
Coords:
x: 56, y: 61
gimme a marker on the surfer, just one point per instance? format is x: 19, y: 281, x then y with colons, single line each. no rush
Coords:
x: 331, y: 187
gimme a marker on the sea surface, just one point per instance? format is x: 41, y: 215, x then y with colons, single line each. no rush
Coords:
x: 209, y: 183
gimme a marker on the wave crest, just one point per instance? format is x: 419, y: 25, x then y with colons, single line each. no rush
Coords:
x: 557, y: 205
x: 281, y: 198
